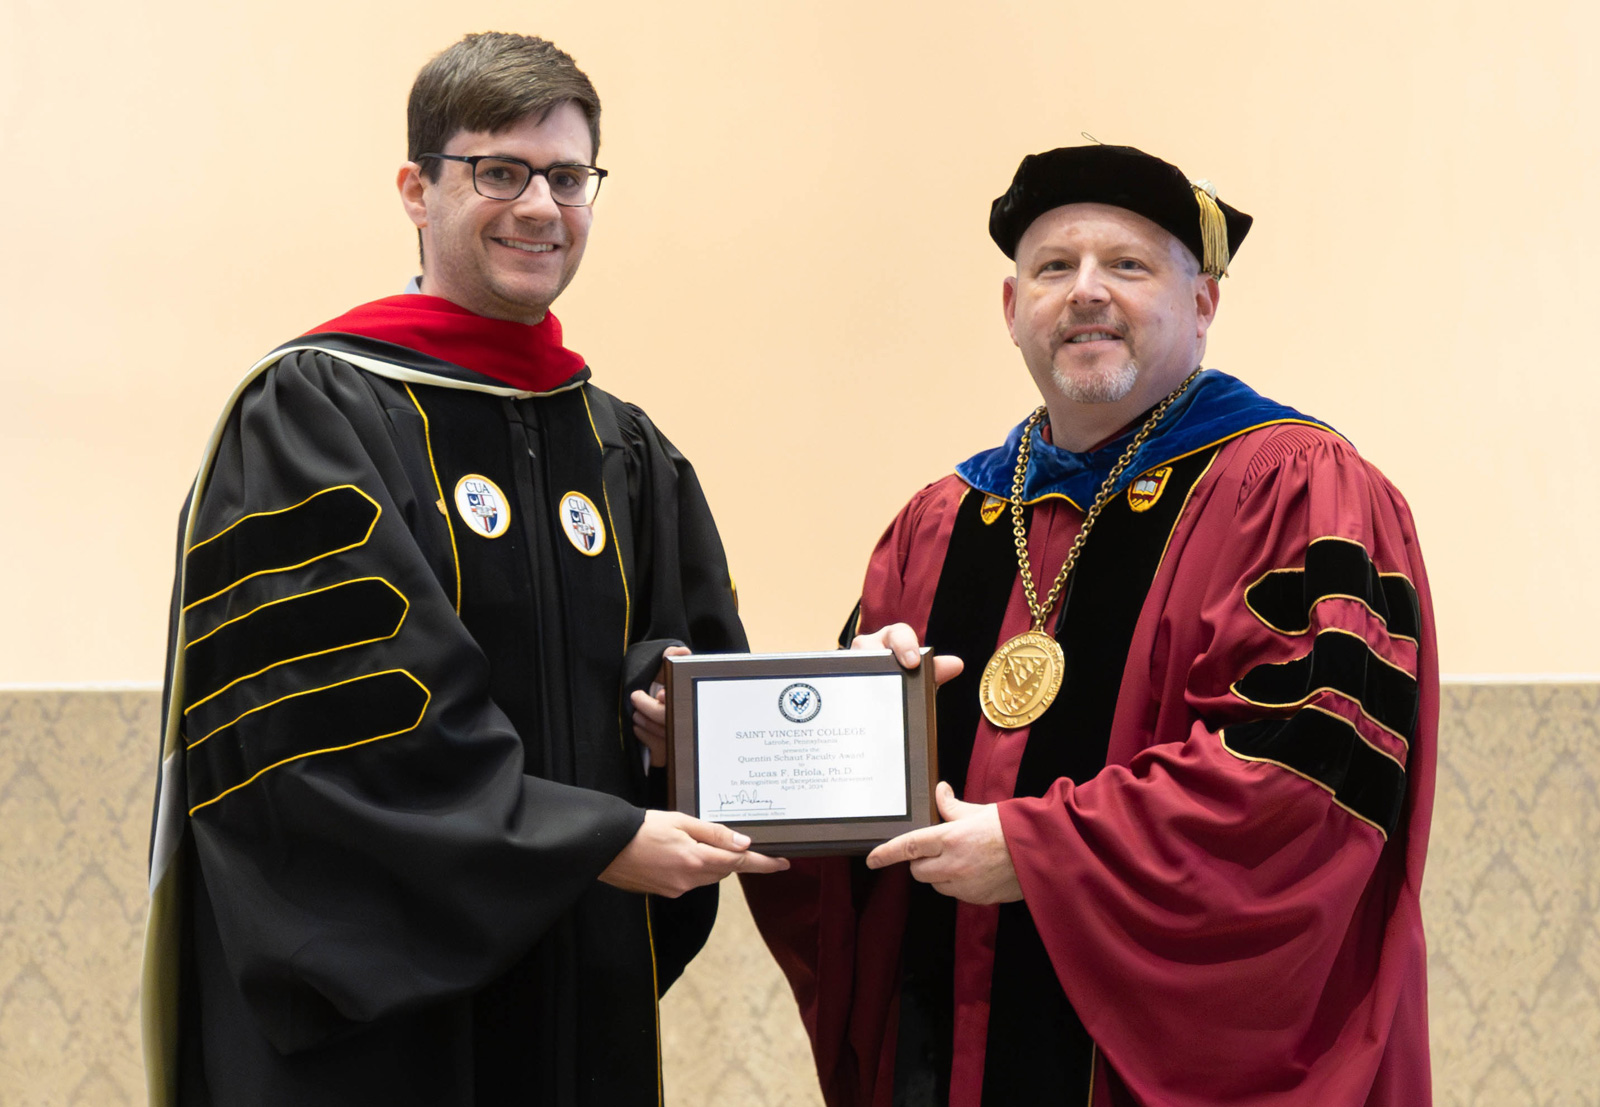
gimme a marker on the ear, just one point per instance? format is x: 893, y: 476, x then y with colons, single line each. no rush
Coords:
x: 413, y: 193
x: 1207, y: 294
x: 1008, y: 303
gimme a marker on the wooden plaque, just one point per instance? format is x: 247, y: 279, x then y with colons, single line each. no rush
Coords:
x: 807, y: 753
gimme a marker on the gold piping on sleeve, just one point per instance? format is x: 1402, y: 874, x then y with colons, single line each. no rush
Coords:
x: 1222, y: 736
x: 1327, y: 596
x: 296, y: 596
x: 1305, y: 700
x: 290, y: 660
x: 449, y: 525
x: 427, y: 699
x: 1094, y: 1055
x: 377, y: 513
x: 1317, y: 603
x: 290, y: 696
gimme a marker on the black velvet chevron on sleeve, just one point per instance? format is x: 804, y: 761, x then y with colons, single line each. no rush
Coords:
x: 1326, y: 748
x: 325, y: 523
x: 1341, y: 662
x: 1335, y: 567
x: 310, y: 624
x: 1320, y: 744
x: 335, y: 717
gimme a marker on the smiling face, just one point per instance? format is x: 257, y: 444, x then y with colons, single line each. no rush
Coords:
x: 507, y: 259
x: 1110, y: 313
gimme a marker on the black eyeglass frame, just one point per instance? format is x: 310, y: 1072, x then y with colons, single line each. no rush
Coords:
x: 473, y: 160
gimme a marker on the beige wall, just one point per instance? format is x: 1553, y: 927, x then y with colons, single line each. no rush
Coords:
x: 790, y: 269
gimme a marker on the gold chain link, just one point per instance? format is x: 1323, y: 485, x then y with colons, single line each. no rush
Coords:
x: 1040, y: 614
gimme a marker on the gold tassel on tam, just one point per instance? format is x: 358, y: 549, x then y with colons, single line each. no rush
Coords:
x: 1213, y: 229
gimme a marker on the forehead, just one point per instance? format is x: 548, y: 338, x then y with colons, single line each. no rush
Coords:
x: 1099, y: 227
x: 561, y: 135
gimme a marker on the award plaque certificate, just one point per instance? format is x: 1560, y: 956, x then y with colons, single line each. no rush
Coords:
x: 807, y: 753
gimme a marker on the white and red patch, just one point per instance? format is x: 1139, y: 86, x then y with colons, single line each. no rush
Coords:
x: 482, y: 506
x: 581, y: 523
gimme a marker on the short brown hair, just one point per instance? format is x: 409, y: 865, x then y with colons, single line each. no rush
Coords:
x: 487, y: 82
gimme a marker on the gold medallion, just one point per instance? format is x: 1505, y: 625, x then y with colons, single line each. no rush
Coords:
x: 1024, y: 675
x: 1021, y: 680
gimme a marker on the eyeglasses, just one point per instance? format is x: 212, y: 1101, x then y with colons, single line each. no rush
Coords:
x: 571, y: 186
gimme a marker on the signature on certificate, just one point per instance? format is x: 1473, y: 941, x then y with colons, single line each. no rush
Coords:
x: 744, y: 798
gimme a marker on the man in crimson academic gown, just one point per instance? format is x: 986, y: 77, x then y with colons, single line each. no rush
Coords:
x: 1190, y: 878
x: 405, y: 850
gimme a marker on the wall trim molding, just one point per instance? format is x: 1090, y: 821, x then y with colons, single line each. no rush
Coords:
x: 83, y: 686
x: 1519, y: 678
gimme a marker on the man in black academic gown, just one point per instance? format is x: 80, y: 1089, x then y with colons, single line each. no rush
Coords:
x: 405, y: 850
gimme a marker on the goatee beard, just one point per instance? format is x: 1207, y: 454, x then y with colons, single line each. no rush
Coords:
x: 1098, y: 388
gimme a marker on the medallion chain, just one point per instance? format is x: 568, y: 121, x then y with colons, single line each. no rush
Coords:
x: 1042, y: 612
x: 1021, y: 680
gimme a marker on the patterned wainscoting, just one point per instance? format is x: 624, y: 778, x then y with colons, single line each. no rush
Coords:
x: 76, y: 785
x: 1512, y: 904
x: 1511, y: 899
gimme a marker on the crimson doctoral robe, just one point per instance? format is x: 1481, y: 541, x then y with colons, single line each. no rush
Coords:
x: 1219, y: 828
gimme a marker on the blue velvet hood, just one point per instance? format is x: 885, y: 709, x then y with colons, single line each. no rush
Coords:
x: 1216, y: 407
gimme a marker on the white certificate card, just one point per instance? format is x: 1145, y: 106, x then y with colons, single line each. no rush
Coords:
x: 822, y: 747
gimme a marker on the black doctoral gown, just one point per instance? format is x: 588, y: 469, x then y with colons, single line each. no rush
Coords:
x: 399, y: 750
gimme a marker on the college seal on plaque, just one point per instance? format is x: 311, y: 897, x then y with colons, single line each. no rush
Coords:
x: 799, y: 703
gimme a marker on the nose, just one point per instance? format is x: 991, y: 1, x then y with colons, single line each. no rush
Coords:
x: 1088, y: 284
x: 535, y: 204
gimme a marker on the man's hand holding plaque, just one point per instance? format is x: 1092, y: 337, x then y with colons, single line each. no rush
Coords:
x: 674, y: 852
x: 965, y: 856
x: 900, y: 640
x: 650, y: 711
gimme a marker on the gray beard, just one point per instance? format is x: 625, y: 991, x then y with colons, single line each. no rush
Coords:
x: 1102, y: 388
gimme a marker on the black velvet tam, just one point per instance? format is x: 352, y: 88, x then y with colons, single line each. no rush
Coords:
x: 1117, y: 175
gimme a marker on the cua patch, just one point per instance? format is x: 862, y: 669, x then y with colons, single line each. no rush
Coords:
x: 482, y: 506
x: 581, y: 523
x: 991, y: 508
